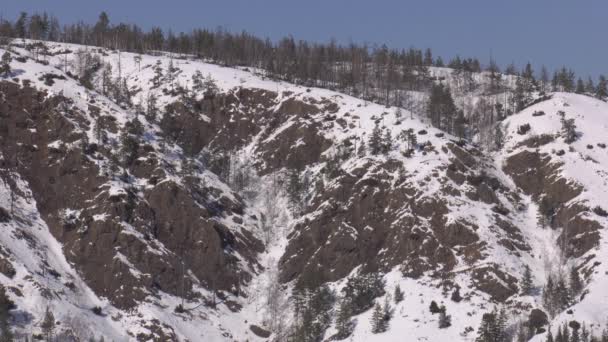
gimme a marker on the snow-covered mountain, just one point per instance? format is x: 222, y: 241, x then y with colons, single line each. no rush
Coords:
x: 172, y: 199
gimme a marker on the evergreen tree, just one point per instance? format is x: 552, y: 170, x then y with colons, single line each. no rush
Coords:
x: 198, y: 81
x: 130, y: 141
x: 492, y: 327
x: 344, y: 325
x: 501, y: 326
x: 559, y: 337
x: 361, y: 290
x: 362, y: 150
x: 544, y: 79
x: 526, y: 281
x: 566, y: 332
x: 151, y: 107
x: 5, y: 64
x: 387, y: 312
x: 550, y: 336
x: 575, y: 336
x: 456, y: 297
x: 295, y: 189
x: 576, y: 284
x: 158, y: 74
x: 521, y: 96
x: 434, y: 308
x: 441, y: 108
x: 601, y: 91
x: 428, y: 57
x: 585, y: 333
x: 529, y: 80
x: 580, y: 86
x: 48, y: 324
x: 387, y: 142
x: 548, y: 296
x: 460, y: 125
x: 499, y: 137
x: 6, y: 335
x: 21, y: 25
x: 485, y: 330
x: 568, y: 128
x: 439, y: 62
x: 412, y: 139
x: 398, y: 294
x: 589, y: 86
x: 211, y: 88
x: 375, y: 140
x: 445, y: 320
x: 378, y: 320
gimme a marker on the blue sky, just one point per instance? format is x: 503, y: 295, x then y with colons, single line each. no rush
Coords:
x: 554, y: 33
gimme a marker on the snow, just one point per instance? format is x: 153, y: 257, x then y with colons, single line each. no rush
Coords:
x: 412, y: 318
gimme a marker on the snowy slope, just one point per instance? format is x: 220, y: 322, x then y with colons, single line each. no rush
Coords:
x: 412, y: 319
x: 584, y: 163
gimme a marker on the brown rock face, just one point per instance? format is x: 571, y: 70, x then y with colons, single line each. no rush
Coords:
x: 361, y: 222
x: 539, y: 176
x: 498, y: 284
x: 127, y: 244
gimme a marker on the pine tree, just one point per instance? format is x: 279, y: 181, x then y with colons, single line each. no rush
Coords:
x: 499, y: 137
x: 362, y: 150
x: 566, y: 332
x: 445, y: 320
x: 601, y: 91
x: 559, y: 337
x: 344, y: 325
x: 398, y: 113
x: 387, y: 142
x: 398, y: 294
x: 130, y: 141
x: 375, y: 140
x: 434, y: 308
x: 171, y: 72
x: 294, y: 189
x: 6, y: 335
x: 198, y: 81
x: 48, y: 324
x: 580, y: 86
x: 568, y: 128
x: 484, y: 332
x: 584, y: 333
x: 151, y: 108
x: 544, y: 79
x: 211, y: 88
x: 548, y: 296
x: 526, y: 281
x: 387, y: 312
x: 550, y: 336
x: 576, y: 334
x: 589, y: 86
x: 521, y: 96
x: 377, y: 320
x: 501, y: 326
x: 441, y: 108
x: 460, y: 125
x: 5, y: 64
x: 158, y: 74
x: 576, y: 284
x: 456, y: 297
x: 493, y: 327
x: 362, y: 289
